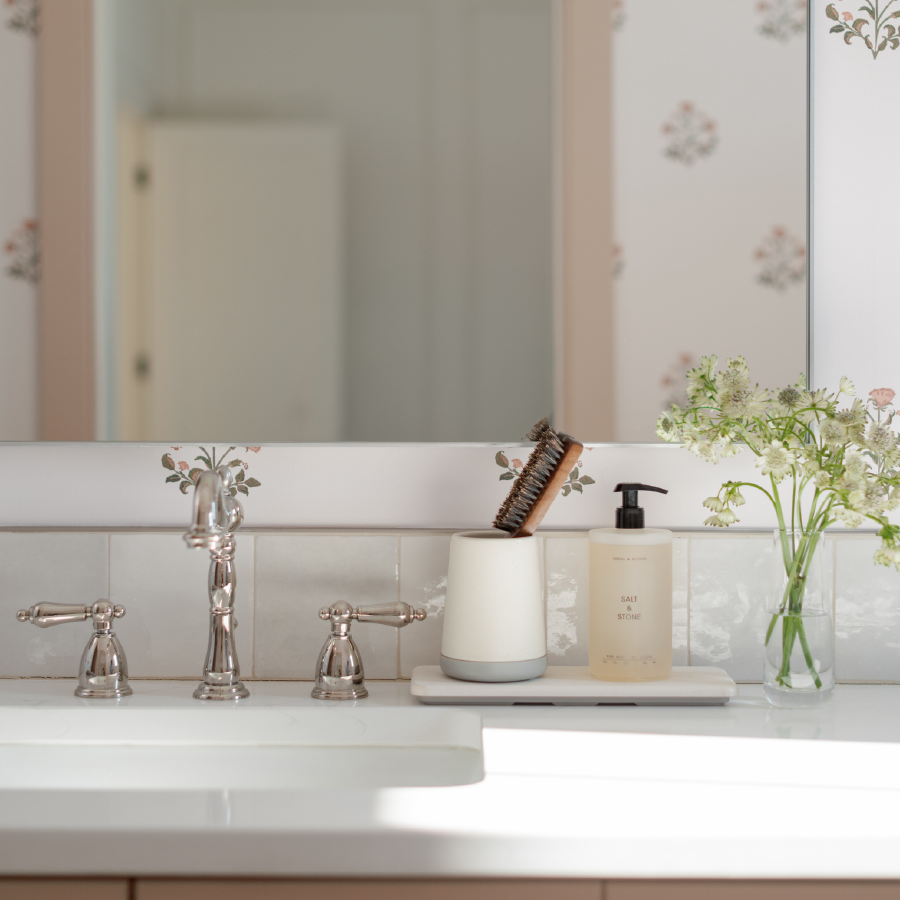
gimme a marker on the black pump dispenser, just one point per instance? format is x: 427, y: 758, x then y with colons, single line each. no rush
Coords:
x: 629, y: 514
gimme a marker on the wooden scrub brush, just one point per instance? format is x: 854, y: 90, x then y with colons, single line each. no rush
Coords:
x: 542, y: 478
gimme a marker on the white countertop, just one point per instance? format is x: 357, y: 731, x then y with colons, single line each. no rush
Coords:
x: 616, y: 791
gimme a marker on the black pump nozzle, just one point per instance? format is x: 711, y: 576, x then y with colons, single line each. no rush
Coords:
x: 629, y: 514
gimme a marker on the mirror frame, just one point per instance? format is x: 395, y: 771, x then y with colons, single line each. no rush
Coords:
x: 416, y: 486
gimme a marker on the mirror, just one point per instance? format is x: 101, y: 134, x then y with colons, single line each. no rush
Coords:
x: 421, y: 305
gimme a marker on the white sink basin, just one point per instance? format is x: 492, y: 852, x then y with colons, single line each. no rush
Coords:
x: 213, y: 747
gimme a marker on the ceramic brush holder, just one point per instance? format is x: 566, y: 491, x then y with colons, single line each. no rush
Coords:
x: 494, y: 619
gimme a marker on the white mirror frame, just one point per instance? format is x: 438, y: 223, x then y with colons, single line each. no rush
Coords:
x: 379, y: 486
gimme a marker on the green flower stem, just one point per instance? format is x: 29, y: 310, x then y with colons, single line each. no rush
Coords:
x: 801, y: 558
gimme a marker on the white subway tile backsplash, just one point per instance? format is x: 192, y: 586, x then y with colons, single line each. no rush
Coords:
x: 162, y: 584
x: 729, y: 580
x: 298, y: 574
x: 720, y: 585
x: 423, y: 584
x: 680, y: 591
x: 867, y: 614
x: 567, y: 592
x: 51, y: 567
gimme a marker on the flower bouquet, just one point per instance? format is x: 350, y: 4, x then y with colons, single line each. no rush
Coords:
x: 821, y: 464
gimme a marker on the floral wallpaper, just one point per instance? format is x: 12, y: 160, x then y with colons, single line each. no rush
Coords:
x: 22, y: 15
x: 709, y: 181
x: 782, y: 19
x: 874, y: 24
x: 185, y: 475
x: 782, y: 260
x: 19, y: 231
x: 690, y: 134
x: 24, y: 252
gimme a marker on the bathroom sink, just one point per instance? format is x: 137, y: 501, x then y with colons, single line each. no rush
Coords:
x: 236, y: 748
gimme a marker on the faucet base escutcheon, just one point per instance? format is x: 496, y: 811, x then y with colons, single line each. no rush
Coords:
x: 221, y: 691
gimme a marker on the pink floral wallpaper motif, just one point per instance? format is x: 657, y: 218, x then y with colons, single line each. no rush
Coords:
x: 691, y: 135
x: 24, y: 252
x: 184, y: 474
x: 782, y: 19
x: 781, y: 259
x: 512, y: 469
x: 674, y: 380
x: 873, y: 27
x: 618, y: 261
x: 23, y: 15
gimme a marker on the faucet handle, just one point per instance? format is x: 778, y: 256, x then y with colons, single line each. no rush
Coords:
x: 103, y: 672
x: 339, y: 669
x: 46, y: 614
x: 395, y: 614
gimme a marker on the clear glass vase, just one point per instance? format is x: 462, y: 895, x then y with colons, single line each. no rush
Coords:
x: 799, y: 658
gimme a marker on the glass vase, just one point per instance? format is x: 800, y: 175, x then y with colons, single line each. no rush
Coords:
x: 799, y: 657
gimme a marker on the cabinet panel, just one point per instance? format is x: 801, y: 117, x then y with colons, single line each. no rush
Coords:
x: 752, y: 890
x: 235, y: 889
x: 63, y: 889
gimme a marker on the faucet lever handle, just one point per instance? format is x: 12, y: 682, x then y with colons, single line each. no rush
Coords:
x: 396, y: 614
x: 46, y: 614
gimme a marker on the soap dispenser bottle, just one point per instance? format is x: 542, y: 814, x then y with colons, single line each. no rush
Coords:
x: 631, y: 595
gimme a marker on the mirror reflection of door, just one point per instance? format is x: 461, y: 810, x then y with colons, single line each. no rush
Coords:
x: 230, y: 303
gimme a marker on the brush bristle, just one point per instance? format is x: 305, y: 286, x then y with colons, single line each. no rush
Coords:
x: 541, y: 465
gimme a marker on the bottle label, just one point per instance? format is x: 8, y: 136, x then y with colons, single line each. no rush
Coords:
x: 631, y: 610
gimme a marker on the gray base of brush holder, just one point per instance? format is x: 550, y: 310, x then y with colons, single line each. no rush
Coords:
x: 470, y: 670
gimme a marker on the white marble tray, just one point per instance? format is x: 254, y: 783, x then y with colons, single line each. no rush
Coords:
x: 574, y: 686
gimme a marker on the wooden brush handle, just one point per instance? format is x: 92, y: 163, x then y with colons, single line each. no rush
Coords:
x: 559, y: 477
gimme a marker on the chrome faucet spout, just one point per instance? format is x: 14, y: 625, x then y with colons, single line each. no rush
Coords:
x: 216, y: 512
x: 217, y: 515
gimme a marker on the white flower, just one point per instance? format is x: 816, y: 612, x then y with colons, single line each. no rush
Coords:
x: 667, y: 427
x: 849, y: 517
x: 888, y: 556
x: 714, y: 503
x: 790, y: 399
x: 847, y: 387
x: 697, y: 378
x: 727, y: 447
x: 832, y: 432
x: 811, y: 467
x: 699, y: 444
x: 722, y: 519
x: 855, y: 463
x: 735, y: 377
x: 820, y: 401
x: 853, y: 418
x: 735, y: 497
x: 822, y: 479
x: 881, y: 439
x: 706, y: 450
x: 745, y: 403
x: 776, y: 460
x: 869, y: 499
